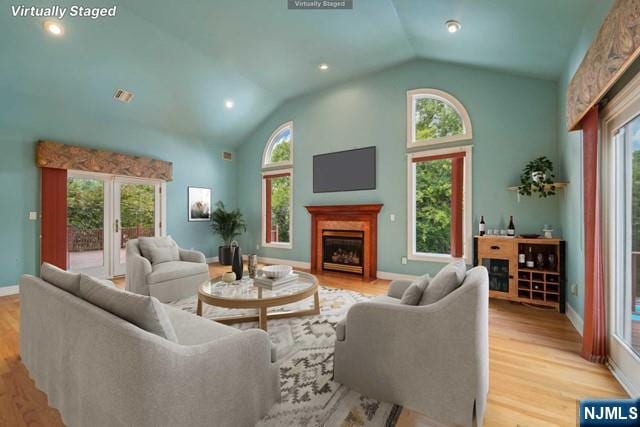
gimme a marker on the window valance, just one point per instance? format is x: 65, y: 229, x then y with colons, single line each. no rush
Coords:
x: 61, y: 156
x: 615, y: 47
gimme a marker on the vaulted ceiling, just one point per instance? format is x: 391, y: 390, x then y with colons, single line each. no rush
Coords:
x: 182, y: 59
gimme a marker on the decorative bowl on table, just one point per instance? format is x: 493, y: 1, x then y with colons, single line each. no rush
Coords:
x: 276, y: 271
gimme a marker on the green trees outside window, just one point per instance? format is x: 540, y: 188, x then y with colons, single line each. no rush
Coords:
x: 433, y: 206
x: 435, y: 119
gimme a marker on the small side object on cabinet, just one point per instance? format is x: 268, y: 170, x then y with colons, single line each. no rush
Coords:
x: 511, y: 230
x: 548, y: 232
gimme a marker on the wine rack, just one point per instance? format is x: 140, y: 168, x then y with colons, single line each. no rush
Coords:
x: 543, y: 284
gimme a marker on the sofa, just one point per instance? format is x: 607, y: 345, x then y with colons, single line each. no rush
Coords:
x: 156, y: 266
x: 99, y: 369
x: 432, y: 358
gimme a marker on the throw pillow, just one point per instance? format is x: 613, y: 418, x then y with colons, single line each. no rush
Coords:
x: 159, y: 249
x: 446, y: 281
x: 143, y: 311
x: 60, y: 278
x: 413, y: 293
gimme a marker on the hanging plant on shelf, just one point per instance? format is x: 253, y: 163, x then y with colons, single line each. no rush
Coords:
x: 537, y: 177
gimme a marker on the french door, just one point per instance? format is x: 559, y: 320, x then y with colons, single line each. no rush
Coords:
x: 103, y: 213
x: 621, y: 191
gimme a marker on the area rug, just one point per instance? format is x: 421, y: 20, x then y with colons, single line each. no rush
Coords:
x: 304, y: 349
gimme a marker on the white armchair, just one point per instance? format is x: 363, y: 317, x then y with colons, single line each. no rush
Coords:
x: 433, y: 358
x: 177, y: 276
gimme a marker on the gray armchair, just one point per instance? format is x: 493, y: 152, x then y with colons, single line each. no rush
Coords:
x: 175, y: 274
x: 433, y: 359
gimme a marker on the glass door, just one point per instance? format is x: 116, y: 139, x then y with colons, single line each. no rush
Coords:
x: 622, y: 231
x: 87, y: 239
x: 136, y: 211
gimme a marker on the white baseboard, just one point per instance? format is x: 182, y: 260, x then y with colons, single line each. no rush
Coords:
x: 9, y: 290
x: 212, y: 259
x: 395, y: 276
x: 574, y: 318
x: 622, y: 379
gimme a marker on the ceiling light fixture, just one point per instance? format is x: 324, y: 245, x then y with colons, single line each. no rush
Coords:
x: 324, y: 67
x: 229, y: 104
x: 453, y: 26
x: 53, y: 28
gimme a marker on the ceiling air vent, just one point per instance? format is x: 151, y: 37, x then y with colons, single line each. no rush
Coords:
x: 227, y: 155
x: 123, y: 96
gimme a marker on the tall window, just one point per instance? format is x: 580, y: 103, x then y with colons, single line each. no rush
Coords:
x: 435, y: 117
x: 277, y: 176
x: 438, y: 179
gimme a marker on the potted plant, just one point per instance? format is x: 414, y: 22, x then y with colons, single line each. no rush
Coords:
x: 537, y: 177
x: 228, y: 225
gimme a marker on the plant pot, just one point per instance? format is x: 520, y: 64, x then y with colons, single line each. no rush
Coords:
x: 224, y: 255
x: 538, y: 176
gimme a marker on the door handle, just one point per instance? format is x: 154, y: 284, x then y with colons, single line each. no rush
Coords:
x: 117, y: 226
x: 495, y: 248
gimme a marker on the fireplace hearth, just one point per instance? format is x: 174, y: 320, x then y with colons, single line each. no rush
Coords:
x: 342, y: 250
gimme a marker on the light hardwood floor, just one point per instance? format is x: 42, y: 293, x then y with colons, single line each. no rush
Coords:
x: 536, y: 373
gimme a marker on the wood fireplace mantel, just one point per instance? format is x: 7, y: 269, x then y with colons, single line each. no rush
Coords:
x: 346, y: 217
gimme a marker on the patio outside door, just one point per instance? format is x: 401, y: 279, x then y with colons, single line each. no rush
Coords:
x: 103, y: 213
x: 136, y: 207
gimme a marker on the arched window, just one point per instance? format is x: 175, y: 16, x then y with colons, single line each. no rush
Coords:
x: 435, y: 117
x: 279, y: 149
x: 439, y: 178
x: 277, y: 188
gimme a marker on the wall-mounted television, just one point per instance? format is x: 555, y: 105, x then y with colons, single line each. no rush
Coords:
x: 350, y: 170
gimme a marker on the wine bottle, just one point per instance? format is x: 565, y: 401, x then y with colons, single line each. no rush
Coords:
x: 522, y: 259
x: 530, y: 261
x: 481, y: 226
x: 511, y: 230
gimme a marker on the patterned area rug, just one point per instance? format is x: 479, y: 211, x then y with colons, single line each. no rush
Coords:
x: 304, y: 348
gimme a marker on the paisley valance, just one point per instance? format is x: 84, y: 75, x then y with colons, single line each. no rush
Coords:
x: 615, y: 47
x: 61, y: 156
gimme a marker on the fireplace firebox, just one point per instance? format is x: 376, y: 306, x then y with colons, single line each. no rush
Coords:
x: 342, y: 250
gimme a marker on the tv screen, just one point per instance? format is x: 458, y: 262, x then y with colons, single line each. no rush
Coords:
x: 350, y: 170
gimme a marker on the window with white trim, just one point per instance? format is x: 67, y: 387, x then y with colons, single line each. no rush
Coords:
x: 438, y: 180
x: 277, y: 188
x: 435, y: 117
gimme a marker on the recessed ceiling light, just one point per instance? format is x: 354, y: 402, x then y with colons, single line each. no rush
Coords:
x: 54, y: 28
x: 229, y: 104
x: 453, y: 26
x: 324, y: 67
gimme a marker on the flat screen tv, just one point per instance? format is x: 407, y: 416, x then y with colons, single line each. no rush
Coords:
x: 350, y: 170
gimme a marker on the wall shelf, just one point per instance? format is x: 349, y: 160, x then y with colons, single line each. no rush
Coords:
x: 559, y: 184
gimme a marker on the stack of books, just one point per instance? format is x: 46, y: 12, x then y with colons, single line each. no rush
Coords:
x: 266, y: 283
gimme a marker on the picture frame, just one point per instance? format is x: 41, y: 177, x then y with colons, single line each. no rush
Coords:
x: 198, y: 204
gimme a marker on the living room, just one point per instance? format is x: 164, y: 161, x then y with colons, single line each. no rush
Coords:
x: 292, y: 208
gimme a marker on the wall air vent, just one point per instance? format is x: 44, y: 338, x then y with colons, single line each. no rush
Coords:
x: 227, y: 155
x: 123, y: 96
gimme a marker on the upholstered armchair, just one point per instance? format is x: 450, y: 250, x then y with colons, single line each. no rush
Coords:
x: 156, y: 266
x: 429, y: 358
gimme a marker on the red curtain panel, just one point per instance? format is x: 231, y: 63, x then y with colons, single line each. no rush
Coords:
x: 594, y: 338
x: 53, y: 232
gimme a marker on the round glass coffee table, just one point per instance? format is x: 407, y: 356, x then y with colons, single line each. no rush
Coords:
x: 243, y: 294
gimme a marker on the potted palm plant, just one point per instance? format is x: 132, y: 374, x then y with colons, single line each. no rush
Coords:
x: 228, y: 225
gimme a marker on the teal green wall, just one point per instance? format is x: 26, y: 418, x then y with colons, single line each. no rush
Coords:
x: 24, y: 120
x: 571, y: 213
x: 514, y: 118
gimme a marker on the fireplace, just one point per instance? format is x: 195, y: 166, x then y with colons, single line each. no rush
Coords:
x: 342, y: 250
x: 344, y: 239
